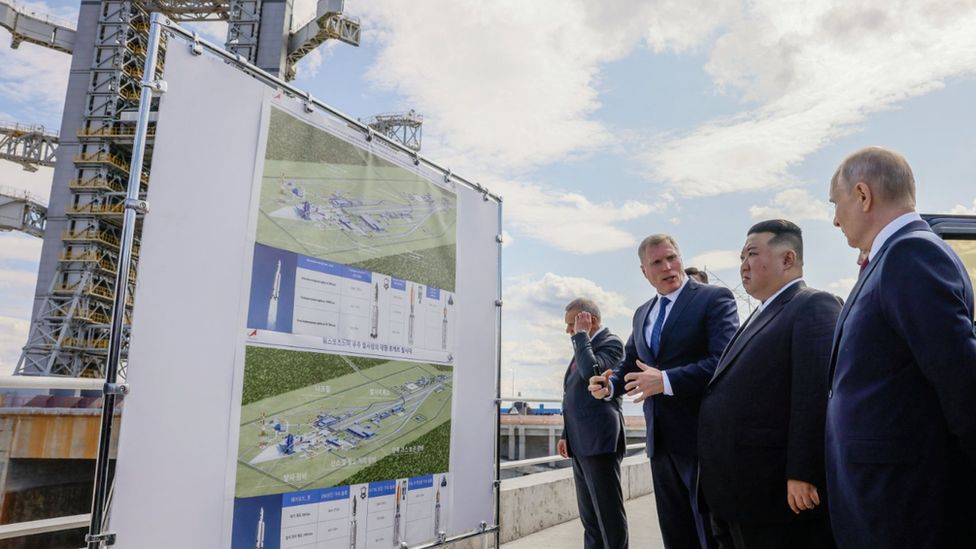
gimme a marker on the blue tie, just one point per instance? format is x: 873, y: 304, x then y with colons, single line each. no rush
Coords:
x: 658, y: 327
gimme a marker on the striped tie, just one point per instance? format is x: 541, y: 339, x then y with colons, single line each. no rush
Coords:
x: 658, y: 326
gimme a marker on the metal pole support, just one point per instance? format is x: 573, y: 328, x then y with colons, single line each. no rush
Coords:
x: 97, y: 538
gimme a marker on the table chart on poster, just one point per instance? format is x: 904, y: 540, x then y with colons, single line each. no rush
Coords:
x: 351, y: 310
x: 377, y: 515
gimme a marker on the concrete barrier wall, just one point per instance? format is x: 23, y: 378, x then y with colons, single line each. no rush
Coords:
x: 536, y: 502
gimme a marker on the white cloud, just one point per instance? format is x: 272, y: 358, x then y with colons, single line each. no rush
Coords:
x: 211, y: 31
x: 13, y: 335
x: 310, y: 65
x: 565, y: 220
x: 33, y: 82
x: 507, y: 239
x: 518, y: 83
x: 843, y: 286
x: 794, y: 205
x: 512, y: 83
x: 959, y: 209
x: 818, y: 69
x: 19, y: 247
x: 715, y: 260
x: 535, y: 345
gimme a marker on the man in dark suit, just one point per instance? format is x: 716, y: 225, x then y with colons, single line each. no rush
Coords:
x: 668, y: 360
x: 761, y: 428
x: 593, y: 430
x: 901, y: 425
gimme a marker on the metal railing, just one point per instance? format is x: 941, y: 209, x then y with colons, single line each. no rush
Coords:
x: 43, y: 526
x: 13, y: 192
x: 506, y: 465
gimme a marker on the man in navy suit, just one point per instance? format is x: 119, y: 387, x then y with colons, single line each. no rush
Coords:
x: 761, y: 430
x: 593, y: 430
x: 901, y: 421
x: 669, y: 358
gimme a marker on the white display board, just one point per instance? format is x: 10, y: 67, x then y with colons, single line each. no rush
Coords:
x: 314, y: 342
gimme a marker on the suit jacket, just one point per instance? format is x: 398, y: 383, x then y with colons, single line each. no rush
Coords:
x: 698, y: 328
x: 590, y: 426
x: 901, y: 424
x: 762, y: 417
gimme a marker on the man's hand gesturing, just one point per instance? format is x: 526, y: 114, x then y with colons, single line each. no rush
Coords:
x: 584, y: 321
x: 645, y: 383
x: 599, y: 385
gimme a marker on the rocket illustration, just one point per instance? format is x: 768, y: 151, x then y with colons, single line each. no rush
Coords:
x: 437, y: 511
x: 273, y: 304
x: 352, y: 527
x: 396, y: 518
x: 410, y: 319
x: 259, y: 540
x: 375, y: 316
x: 444, y: 330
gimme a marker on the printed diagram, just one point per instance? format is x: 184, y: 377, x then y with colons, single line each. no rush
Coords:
x: 318, y: 436
x: 333, y: 212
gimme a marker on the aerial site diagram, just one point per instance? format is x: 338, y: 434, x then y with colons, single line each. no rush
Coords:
x: 315, y: 420
x: 326, y: 198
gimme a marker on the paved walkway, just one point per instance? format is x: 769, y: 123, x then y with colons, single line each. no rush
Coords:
x: 641, y: 518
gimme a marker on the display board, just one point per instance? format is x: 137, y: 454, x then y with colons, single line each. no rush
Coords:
x: 314, y: 342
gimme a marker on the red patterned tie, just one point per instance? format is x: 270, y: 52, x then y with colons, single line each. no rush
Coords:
x: 864, y: 265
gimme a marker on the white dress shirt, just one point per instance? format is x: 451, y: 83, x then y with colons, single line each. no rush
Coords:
x: 652, y: 318
x: 890, y: 229
x: 649, y: 327
x: 773, y: 297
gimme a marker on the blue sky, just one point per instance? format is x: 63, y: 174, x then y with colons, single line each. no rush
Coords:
x: 601, y: 123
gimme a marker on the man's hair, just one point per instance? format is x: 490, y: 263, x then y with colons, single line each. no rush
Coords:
x: 784, y: 232
x: 656, y: 240
x: 701, y: 275
x: 886, y: 172
x: 584, y: 305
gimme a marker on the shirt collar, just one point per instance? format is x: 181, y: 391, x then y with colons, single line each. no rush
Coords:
x: 673, y: 296
x: 779, y: 291
x: 891, y: 228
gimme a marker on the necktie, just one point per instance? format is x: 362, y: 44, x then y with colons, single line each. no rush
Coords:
x: 864, y: 265
x: 658, y: 326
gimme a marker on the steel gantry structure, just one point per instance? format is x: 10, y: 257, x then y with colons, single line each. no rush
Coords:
x: 27, y: 145
x: 405, y: 127
x: 69, y: 330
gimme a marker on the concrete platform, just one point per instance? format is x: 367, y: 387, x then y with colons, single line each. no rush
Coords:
x: 641, y: 517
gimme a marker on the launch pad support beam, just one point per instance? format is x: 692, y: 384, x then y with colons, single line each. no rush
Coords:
x: 97, y: 538
x: 35, y: 29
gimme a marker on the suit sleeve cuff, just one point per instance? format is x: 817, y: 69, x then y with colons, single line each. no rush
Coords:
x: 667, y: 384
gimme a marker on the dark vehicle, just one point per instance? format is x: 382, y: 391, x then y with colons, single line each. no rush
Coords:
x: 960, y: 232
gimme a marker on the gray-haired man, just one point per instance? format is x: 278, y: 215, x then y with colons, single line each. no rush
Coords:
x: 593, y: 431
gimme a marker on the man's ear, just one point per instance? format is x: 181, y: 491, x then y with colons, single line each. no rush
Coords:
x: 864, y: 195
x: 789, y: 259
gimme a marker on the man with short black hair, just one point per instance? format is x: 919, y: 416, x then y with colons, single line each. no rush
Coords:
x: 761, y: 425
x: 593, y: 430
x: 901, y: 427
